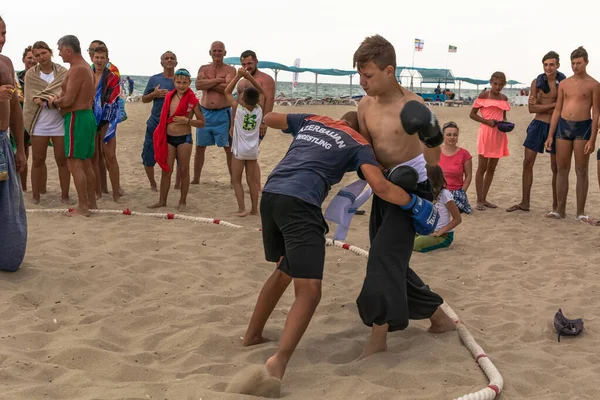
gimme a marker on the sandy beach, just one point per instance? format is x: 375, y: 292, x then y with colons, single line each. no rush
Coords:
x: 130, y: 307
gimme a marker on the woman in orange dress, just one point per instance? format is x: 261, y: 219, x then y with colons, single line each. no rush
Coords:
x: 492, y: 144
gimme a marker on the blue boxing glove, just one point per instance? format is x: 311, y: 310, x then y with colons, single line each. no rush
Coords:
x: 425, y: 215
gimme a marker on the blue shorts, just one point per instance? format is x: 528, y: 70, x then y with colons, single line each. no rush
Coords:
x: 537, y: 133
x: 574, y: 130
x: 216, y: 128
x: 148, y: 149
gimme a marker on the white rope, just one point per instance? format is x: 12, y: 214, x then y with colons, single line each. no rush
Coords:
x: 488, y: 393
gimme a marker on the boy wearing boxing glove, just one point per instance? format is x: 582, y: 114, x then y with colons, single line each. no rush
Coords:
x: 404, y: 133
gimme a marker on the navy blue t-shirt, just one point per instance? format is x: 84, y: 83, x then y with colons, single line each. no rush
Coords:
x: 165, y: 83
x: 322, y: 151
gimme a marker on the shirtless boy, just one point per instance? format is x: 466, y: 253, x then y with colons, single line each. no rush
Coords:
x: 106, y: 110
x: 390, y: 284
x: 542, y: 100
x: 212, y: 80
x: 575, y: 132
x: 75, y: 103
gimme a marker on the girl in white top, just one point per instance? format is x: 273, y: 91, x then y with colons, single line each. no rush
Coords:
x: 45, y: 122
x: 448, y: 211
x: 247, y: 116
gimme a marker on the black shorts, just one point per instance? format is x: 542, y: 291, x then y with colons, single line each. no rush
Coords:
x: 295, y: 230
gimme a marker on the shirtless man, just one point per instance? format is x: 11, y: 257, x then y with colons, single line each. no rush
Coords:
x: 212, y: 80
x: 250, y: 63
x: 13, y: 225
x: 575, y: 132
x: 542, y: 100
x: 390, y: 286
x: 75, y: 103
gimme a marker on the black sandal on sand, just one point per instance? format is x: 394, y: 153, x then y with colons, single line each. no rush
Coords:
x: 516, y: 207
x: 567, y: 327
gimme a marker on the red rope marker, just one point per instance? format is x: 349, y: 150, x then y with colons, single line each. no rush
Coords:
x: 170, y: 216
x: 216, y: 221
x: 127, y: 212
x: 495, y: 389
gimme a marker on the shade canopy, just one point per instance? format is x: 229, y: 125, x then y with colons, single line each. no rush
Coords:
x: 280, y: 67
x: 473, y: 81
x: 428, y: 75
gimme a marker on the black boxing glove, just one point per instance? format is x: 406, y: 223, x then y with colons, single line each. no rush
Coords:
x: 404, y: 176
x: 417, y: 118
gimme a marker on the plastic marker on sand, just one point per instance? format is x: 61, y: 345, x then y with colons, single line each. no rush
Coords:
x: 269, y: 386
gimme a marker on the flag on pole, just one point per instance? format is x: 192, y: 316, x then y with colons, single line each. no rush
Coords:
x: 451, y: 49
x: 419, y: 43
x: 295, y: 76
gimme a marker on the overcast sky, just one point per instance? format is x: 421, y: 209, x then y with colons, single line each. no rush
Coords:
x: 509, y: 36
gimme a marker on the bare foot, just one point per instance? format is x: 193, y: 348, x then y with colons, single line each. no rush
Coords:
x: 67, y: 201
x: 98, y: 196
x: 441, y: 322
x: 153, y: 188
x: 177, y: 187
x: 24, y: 189
x: 372, y: 348
x: 43, y: 191
x: 121, y: 192
x: 93, y: 206
x: 240, y: 214
x: 253, y: 212
x: 181, y: 207
x: 157, y: 205
x: 77, y: 212
x: 275, y: 366
x: 35, y: 201
x: 195, y: 181
x: 117, y: 199
x: 104, y: 190
x: 254, y: 340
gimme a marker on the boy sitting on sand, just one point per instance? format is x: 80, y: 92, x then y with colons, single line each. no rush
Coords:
x: 247, y: 116
x: 173, y: 138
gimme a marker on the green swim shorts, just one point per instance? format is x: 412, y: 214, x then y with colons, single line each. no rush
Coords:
x: 80, y: 134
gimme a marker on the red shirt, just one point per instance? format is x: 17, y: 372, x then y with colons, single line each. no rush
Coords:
x: 453, y: 167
